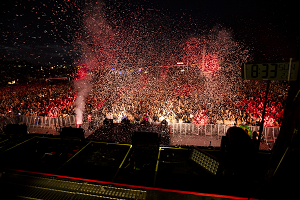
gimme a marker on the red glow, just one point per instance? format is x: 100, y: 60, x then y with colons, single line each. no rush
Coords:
x: 135, y: 186
x: 201, y: 118
x: 195, y: 52
x: 269, y: 122
x: 211, y: 64
x: 78, y: 125
x: 81, y: 72
x: 100, y: 104
x: 253, y: 107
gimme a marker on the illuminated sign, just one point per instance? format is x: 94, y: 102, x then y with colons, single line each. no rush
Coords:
x: 281, y: 71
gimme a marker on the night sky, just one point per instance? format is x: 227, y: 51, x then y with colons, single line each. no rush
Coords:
x: 44, y: 31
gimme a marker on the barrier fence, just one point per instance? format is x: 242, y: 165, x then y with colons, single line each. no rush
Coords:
x: 269, y: 133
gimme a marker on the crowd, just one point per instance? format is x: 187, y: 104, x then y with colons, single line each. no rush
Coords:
x: 38, y: 99
x: 155, y: 103
x: 253, y: 102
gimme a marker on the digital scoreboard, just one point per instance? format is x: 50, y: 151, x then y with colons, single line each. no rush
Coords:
x: 281, y: 71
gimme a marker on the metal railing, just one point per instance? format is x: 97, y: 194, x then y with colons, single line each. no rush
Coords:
x: 269, y: 133
x: 52, y: 122
x: 48, y: 122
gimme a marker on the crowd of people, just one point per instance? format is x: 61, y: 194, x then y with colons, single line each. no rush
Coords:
x: 38, y: 99
x: 155, y: 103
x: 253, y: 103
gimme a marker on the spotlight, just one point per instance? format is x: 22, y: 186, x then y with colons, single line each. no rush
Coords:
x: 205, y: 160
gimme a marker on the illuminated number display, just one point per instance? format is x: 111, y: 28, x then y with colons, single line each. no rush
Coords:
x: 254, y: 71
x: 271, y: 71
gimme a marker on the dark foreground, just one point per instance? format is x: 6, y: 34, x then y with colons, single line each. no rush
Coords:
x: 50, y: 167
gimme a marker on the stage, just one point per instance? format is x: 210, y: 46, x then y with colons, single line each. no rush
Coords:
x: 158, y: 170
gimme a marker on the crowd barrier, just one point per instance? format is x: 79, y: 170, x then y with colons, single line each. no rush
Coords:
x: 269, y: 133
x: 51, y: 122
x: 47, y: 122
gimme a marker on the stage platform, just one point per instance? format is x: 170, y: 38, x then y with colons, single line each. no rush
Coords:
x: 20, y: 184
x: 164, y: 173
